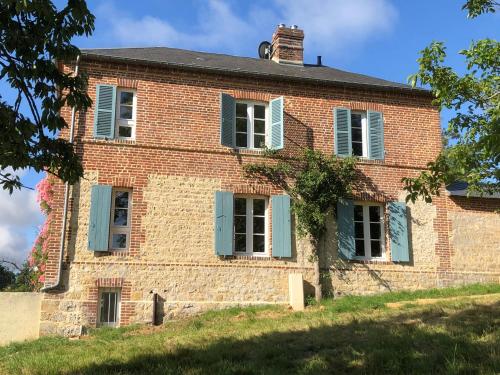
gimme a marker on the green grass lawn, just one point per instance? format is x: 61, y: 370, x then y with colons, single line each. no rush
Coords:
x: 345, y: 335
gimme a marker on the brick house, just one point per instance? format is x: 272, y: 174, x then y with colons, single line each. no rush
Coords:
x: 165, y: 223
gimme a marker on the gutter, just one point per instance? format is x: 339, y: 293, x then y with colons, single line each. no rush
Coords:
x: 246, y: 73
x: 66, y: 202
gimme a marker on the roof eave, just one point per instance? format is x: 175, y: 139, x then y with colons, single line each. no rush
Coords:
x: 242, y: 73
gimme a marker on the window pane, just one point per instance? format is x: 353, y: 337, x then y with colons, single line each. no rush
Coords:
x: 357, y: 149
x: 240, y: 224
x: 357, y: 135
x: 126, y: 98
x: 241, y: 125
x: 112, y: 308
x: 259, y: 141
x: 241, y: 110
x: 240, y: 242
x: 121, y: 199
x: 358, y: 213
x: 259, y: 126
x: 125, y: 131
x: 355, y: 120
x: 358, y: 230
x: 240, y: 206
x: 375, y: 231
x: 125, y: 112
x: 374, y: 213
x: 120, y: 217
x: 119, y: 241
x: 360, y: 248
x: 241, y: 140
x: 258, y: 225
x: 259, y: 207
x: 376, y: 249
x: 259, y: 111
x: 258, y: 244
x: 104, y: 307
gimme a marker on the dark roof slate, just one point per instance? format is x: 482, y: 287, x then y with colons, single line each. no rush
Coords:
x: 228, y: 64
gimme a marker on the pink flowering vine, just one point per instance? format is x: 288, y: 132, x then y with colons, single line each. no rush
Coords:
x: 37, y: 259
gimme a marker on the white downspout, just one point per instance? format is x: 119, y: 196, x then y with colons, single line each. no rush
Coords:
x: 66, y: 201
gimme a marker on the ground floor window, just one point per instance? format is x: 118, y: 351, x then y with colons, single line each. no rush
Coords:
x: 109, y: 307
x: 250, y: 225
x: 369, y: 230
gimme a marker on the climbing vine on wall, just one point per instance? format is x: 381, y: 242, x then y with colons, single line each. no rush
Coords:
x: 316, y: 182
x: 37, y: 259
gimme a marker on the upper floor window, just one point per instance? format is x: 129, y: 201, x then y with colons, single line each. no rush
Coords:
x: 368, y: 231
x: 119, y: 233
x: 126, y: 109
x: 359, y: 133
x: 250, y: 125
x: 250, y: 226
x: 359, y: 139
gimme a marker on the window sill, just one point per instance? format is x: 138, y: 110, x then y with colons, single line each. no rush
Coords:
x: 115, y: 140
x: 247, y: 257
x: 116, y: 253
x: 371, y: 261
x: 247, y: 151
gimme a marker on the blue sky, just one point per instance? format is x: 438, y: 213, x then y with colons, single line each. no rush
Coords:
x: 374, y: 37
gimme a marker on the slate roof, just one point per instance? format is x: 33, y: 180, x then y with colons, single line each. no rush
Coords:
x: 235, y: 65
x: 459, y: 189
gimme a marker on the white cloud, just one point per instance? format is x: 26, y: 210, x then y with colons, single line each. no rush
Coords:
x: 216, y: 27
x: 336, y: 24
x: 330, y: 26
x: 20, y: 217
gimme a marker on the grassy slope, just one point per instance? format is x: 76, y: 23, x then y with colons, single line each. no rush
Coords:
x: 347, y: 335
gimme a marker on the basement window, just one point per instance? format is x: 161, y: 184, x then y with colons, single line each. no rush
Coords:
x: 126, y: 109
x: 119, y: 233
x: 250, y: 226
x: 109, y: 307
x: 368, y: 231
x: 251, y: 125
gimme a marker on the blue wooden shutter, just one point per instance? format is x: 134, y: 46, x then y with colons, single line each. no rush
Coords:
x: 100, y: 207
x: 224, y: 202
x: 104, y: 113
x: 342, y: 131
x: 282, y: 228
x: 398, y: 231
x: 277, y: 124
x: 345, y: 228
x: 375, y: 135
x: 227, y: 119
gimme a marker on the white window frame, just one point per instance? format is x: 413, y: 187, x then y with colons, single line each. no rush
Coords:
x: 364, y: 133
x: 125, y: 122
x: 116, y: 323
x: 249, y: 227
x: 250, y: 125
x: 120, y: 229
x: 366, y: 231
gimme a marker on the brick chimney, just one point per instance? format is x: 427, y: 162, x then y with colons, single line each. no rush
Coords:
x: 288, y: 45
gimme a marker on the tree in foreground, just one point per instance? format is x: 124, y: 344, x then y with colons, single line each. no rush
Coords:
x: 315, y: 182
x: 34, y: 37
x: 472, y: 154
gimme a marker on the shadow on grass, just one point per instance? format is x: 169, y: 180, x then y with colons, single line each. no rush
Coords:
x: 426, y: 342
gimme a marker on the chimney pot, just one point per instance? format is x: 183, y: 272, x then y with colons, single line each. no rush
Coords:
x: 318, y: 61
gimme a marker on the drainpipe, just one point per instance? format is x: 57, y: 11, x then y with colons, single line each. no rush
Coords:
x: 66, y: 202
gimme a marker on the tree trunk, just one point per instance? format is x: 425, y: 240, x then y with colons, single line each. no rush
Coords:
x: 318, y: 294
